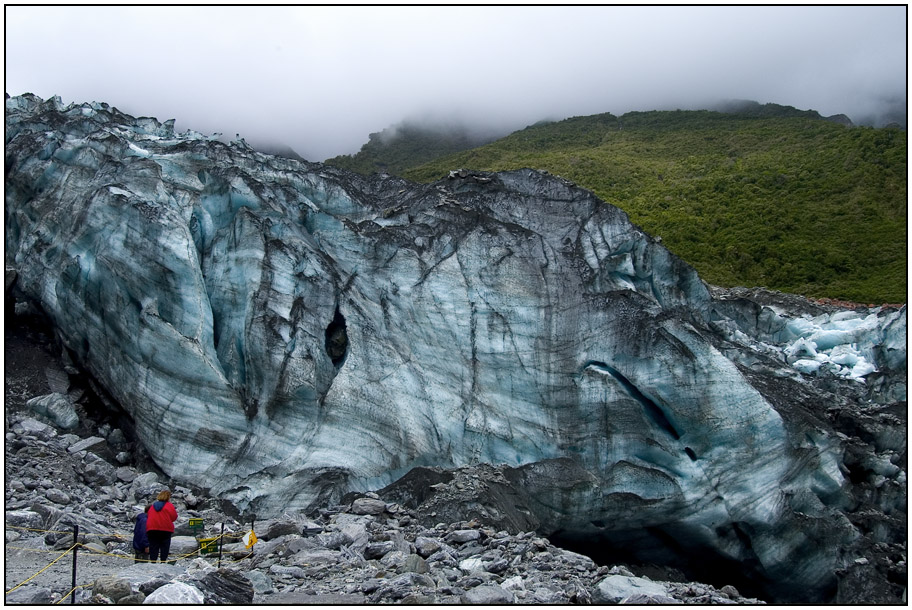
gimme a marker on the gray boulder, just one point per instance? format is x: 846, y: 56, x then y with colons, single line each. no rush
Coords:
x: 368, y: 506
x: 376, y: 550
x: 183, y: 546
x: 176, y: 594
x: 66, y: 440
x: 117, y: 438
x: 401, y: 586
x: 146, y: 577
x: 282, y: 570
x: 33, y: 427
x: 57, y: 497
x: 415, y: 563
x: 487, y: 595
x: 32, y: 596
x: 315, y: 557
x: 546, y: 595
x: 85, y: 444
x: 125, y: 474
x: 145, y: 487
x: 225, y: 586
x: 112, y: 587
x: 97, y: 472
x: 332, y: 540
x: 24, y: 519
x: 615, y: 588
x: 261, y: 582
x: 280, y: 528
x: 355, y: 529
x: 426, y: 546
x: 134, y: 599
x: 462, y: 536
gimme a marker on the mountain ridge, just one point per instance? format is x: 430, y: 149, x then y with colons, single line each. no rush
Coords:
x: 401, y: 146
x: 769, y: 196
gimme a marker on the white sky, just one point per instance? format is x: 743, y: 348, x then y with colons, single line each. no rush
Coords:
x: 320, y: 79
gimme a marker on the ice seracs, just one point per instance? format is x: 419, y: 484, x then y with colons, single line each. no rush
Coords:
x: 832, y: 340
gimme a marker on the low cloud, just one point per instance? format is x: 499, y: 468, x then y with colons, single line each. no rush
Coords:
x: 320, y: 79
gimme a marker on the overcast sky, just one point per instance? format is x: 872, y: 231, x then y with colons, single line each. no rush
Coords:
x: 319, y: 79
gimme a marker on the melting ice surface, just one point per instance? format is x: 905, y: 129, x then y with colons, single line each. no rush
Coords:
x: 832, y: 341
x: 846, y: 344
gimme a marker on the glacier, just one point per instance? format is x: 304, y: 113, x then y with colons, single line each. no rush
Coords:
x: 283, y: 332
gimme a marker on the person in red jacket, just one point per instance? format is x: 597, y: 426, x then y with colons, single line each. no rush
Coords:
x: 160, y: 526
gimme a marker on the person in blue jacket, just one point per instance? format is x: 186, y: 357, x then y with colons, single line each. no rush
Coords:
x: 140, y: 539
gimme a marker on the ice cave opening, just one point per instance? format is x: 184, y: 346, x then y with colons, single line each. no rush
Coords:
x: 337, y: 340
x: 658, y: 554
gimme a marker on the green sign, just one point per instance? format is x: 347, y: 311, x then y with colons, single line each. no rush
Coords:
x: 209, y: 545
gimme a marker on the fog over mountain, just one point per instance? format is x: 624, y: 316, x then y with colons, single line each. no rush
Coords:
x: 319, y: 79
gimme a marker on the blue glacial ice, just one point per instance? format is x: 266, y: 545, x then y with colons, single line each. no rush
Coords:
x: 283, y: 332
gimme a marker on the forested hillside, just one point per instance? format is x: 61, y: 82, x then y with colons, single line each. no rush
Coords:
x: 785, y: 200
x: 407, y: 145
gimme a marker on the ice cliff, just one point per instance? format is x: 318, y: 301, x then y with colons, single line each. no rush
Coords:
x: 284, y: 332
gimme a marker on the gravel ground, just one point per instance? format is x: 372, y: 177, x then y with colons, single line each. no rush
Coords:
x: 27, y: 556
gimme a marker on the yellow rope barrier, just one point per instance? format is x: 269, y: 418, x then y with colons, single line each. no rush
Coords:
x: 70, y: 593
x: 41, y: 570
x: 132, y: 558
x: 227, y: 535
x: 94, y: 552
x: 66, y: 596
x: 115, y: 535
x: 243, y: 558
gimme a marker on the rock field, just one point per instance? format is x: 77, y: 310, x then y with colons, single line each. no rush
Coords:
x: 368, y: 551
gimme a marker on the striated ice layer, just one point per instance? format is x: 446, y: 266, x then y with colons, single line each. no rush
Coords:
x: 283, y: 332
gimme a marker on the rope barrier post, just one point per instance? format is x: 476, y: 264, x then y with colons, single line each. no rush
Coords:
x: 221, y: 543
x: 75, y: 549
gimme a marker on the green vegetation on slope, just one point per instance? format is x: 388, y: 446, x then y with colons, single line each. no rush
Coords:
x: 398, y: 148
x: 793, y: 203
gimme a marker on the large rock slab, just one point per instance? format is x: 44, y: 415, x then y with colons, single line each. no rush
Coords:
x: 226, y: 586
x: 85, y: 444
x: 30, y: 596
x: 24, y: 519
x: 140, y: 574
x: 488, y: 595
x: 615, y: 588
x: 175, y: 594
x: 112, y: 587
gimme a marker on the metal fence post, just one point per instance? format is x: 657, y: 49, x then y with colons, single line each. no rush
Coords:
x: 221, y: 543
x: 75, y: 549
